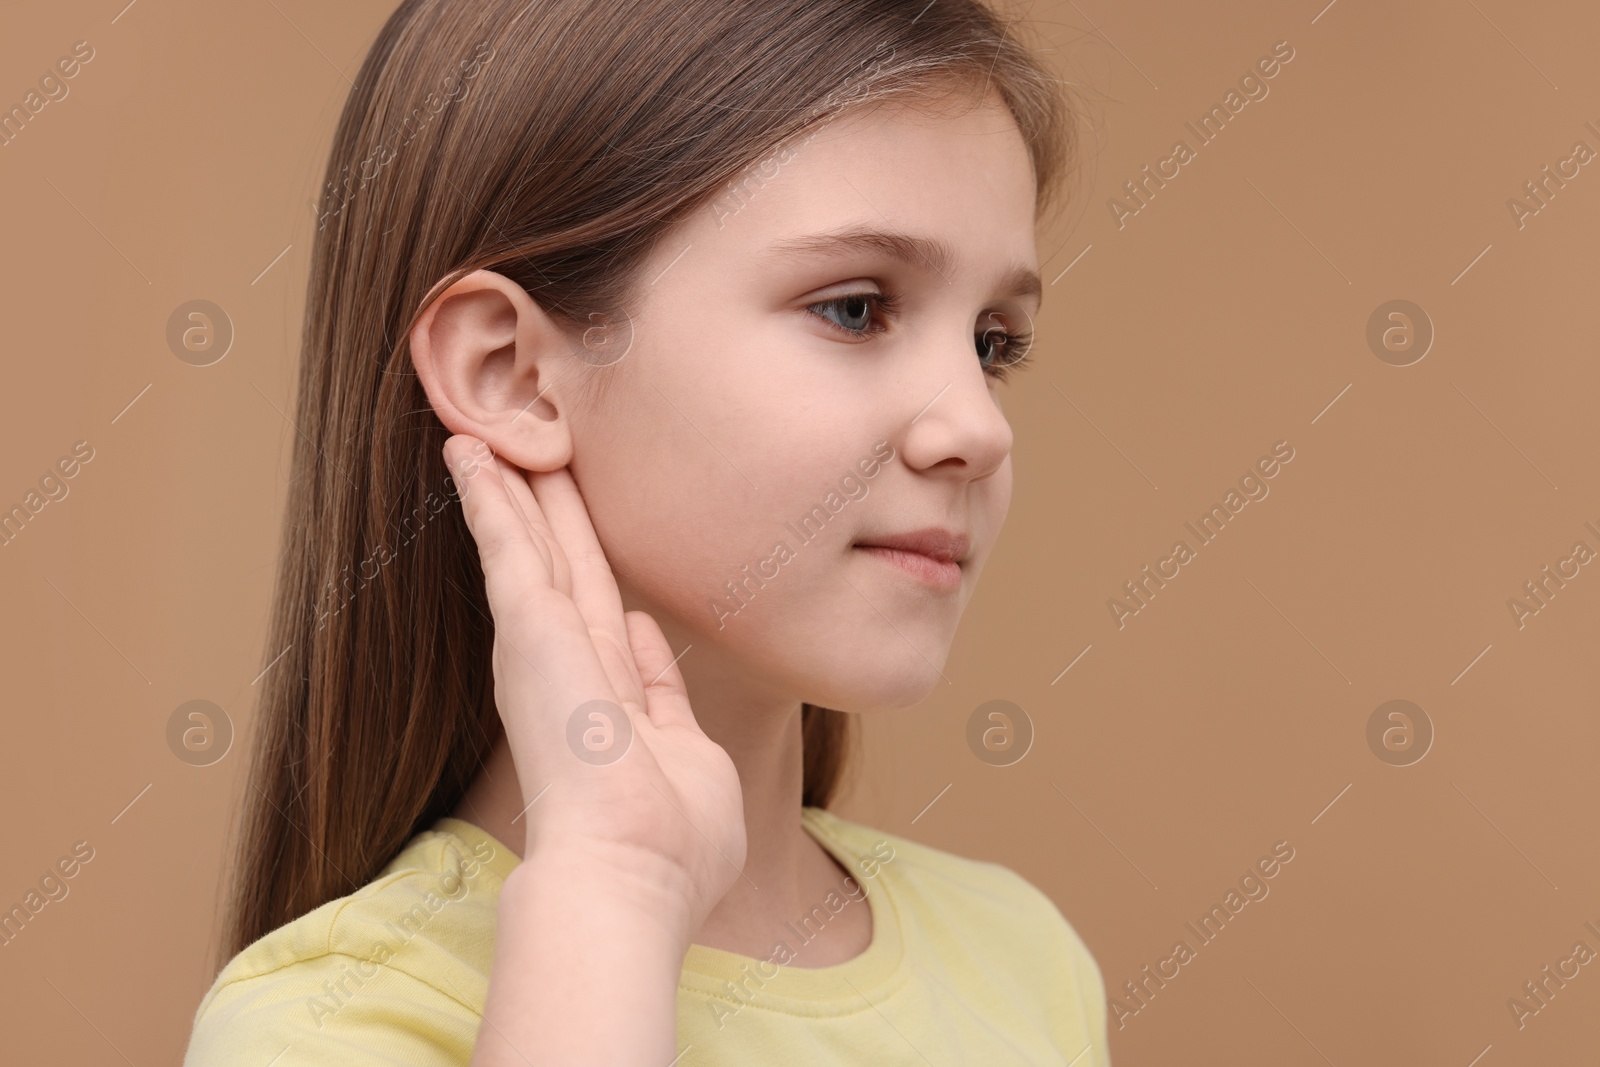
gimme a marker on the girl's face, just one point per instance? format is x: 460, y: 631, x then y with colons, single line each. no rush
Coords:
x: 773, y: 413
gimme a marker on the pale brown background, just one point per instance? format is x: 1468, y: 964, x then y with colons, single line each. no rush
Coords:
x: 1225, y: 317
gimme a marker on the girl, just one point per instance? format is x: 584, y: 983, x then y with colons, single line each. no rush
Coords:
x: 649, y: 432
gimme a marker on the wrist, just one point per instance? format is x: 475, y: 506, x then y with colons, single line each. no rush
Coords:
x: 582, y: 948
x: 645, y: 894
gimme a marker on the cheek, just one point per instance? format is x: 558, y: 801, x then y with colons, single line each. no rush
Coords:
x: 692, y: 492
x: 717, y: 555
x: 695, y: 545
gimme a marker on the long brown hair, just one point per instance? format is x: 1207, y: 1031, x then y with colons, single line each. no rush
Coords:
x: 553, y: 141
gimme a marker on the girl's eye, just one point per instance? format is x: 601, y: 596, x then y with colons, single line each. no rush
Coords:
x: 852, y: 312
x: 999, y: 350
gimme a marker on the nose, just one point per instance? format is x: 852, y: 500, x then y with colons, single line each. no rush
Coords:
x: 955, y: 421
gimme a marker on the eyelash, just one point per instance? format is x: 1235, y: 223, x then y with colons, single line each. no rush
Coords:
x: 1018, y: 344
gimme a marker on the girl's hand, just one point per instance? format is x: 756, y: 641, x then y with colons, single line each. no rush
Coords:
x: 576, y: 681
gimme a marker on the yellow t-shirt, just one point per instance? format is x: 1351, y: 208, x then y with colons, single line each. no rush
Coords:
x: 968, y: 964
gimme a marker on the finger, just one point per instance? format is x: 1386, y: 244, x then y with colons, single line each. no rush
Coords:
x: 666, y: 696
x: 515, y: 481
x: 547, y: 634
x: 594, y: 586
x: 505, y: 539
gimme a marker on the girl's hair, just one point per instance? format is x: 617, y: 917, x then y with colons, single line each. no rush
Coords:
x: 553, y: 141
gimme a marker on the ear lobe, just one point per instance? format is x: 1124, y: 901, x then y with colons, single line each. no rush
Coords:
x: 488, y: 356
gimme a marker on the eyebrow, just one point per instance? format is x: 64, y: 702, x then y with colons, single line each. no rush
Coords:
x: 908, y: 248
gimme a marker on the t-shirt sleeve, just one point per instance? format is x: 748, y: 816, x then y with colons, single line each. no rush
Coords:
x: 332, y: 1009
x: 1092, y: 998
x: 1076, y: 992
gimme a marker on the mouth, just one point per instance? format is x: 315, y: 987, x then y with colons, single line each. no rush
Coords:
x: 932, y: 555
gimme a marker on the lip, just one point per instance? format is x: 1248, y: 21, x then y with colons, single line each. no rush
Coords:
x: 932, y: 554
x: 935, y: 542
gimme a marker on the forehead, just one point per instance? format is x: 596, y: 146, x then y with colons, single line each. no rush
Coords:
x: 953, y: 171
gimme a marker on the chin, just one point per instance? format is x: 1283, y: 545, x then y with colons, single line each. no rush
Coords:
x: 881, y: 685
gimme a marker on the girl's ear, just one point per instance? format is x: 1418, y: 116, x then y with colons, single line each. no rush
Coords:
x: 489, y: 358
